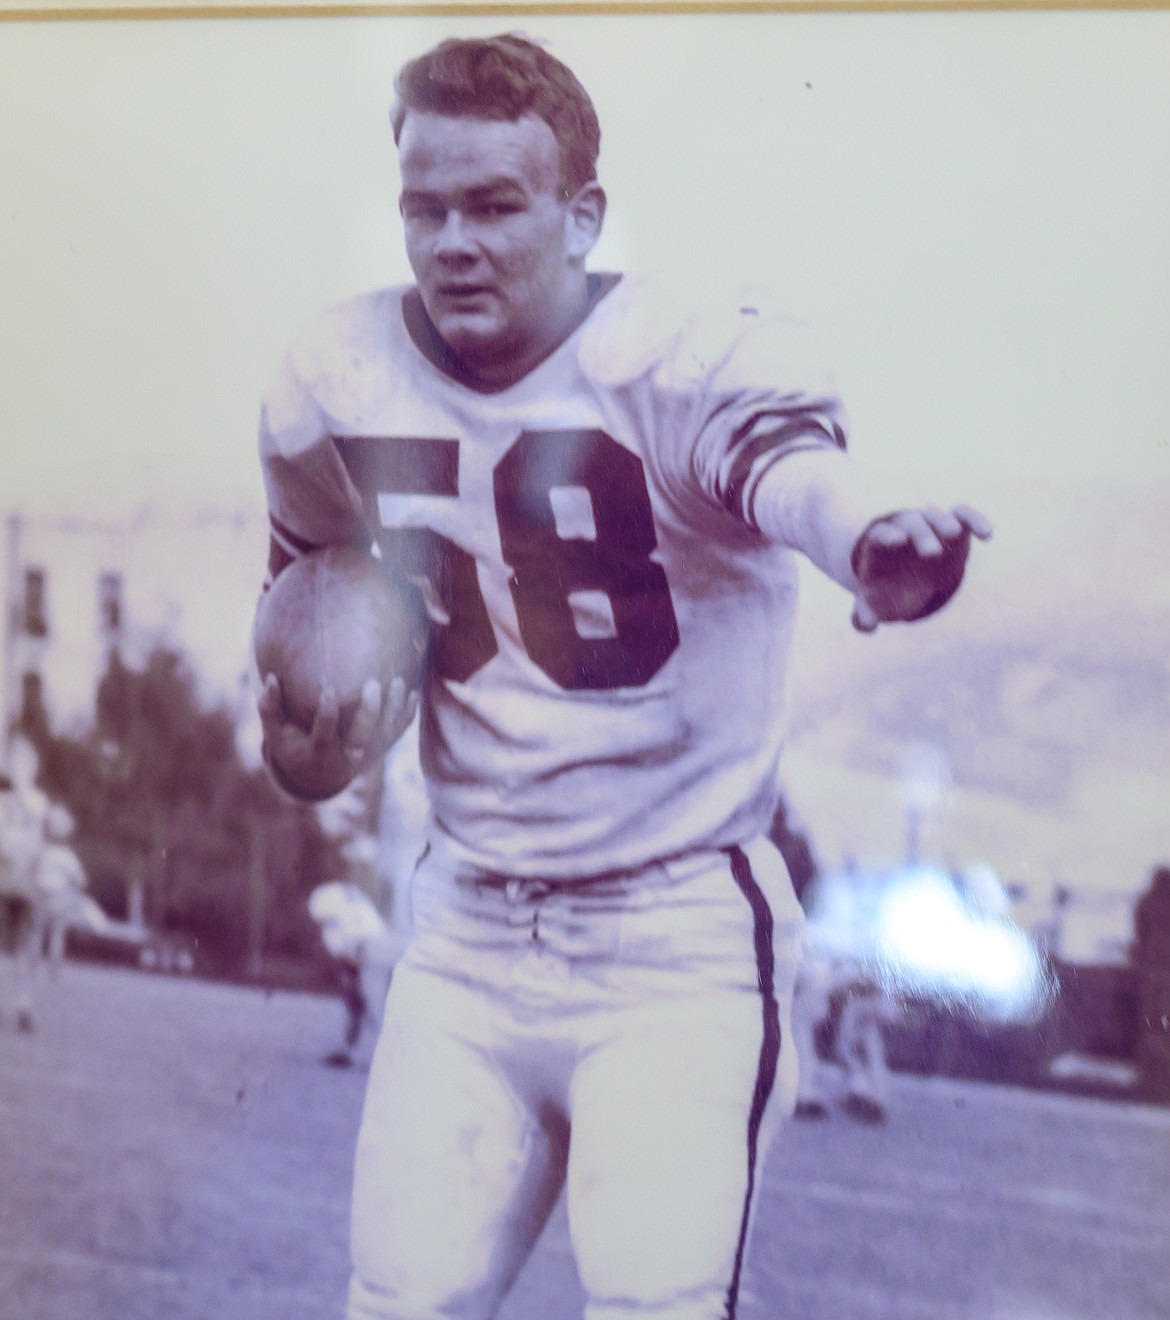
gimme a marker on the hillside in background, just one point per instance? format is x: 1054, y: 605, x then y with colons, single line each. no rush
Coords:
x: 1032, y: 717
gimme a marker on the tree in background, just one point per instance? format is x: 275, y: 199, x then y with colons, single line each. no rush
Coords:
x: 169, y: 817
x: 1150, y: 955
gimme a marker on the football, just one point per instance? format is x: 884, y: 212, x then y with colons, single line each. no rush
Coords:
x: 335, y: 618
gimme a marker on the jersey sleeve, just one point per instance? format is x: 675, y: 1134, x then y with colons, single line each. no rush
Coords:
x: 819, y: 502
x: 311, y: 501
x: 766, y: 396
x: 770, y: 440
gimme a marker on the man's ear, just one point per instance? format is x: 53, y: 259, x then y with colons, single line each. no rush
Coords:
x: 583, y: 220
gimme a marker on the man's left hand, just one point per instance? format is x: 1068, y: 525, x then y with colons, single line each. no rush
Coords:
x: 910, y: 563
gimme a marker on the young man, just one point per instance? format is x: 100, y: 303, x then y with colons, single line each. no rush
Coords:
x: 601, y: 501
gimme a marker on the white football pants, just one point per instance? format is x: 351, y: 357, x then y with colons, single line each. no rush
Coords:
x: 625, y: 1038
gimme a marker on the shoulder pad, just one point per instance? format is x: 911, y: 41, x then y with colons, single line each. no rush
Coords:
x: 630, y: 332
x: 330, y: 346
x: 745, y: 344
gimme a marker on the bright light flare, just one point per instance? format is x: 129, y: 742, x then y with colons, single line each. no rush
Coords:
x: 930, y: 943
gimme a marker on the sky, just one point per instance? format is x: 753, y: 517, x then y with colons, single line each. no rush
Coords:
x: 971, y: 209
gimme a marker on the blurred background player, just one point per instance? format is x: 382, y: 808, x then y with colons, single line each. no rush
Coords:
x: 16, y: 909
x: 362, y: 946
x: 838, y: 1006
x: 837, y: 1019
x: 60, y: 883
x: 352, y: 933
x: 23, y: 810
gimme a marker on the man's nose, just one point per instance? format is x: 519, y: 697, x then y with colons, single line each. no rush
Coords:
x: 454, y: 239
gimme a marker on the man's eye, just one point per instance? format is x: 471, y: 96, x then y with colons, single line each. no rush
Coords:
x: 496, y: 210
x: 432, y: 215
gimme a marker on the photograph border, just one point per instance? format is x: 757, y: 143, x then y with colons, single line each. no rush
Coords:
x: 53, y: 11
x: 42, y: 12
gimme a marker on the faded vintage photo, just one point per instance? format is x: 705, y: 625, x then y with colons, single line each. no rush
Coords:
x: 584, y: 682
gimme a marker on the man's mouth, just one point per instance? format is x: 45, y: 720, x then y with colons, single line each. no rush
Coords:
x: 461, y: 292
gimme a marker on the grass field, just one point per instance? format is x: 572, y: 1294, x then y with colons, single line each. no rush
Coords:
x: 175, y: 1148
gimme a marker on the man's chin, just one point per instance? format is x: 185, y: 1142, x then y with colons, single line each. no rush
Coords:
x: 474, y: 338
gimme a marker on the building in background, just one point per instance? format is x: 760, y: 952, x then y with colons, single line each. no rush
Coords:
x: 75, y: 589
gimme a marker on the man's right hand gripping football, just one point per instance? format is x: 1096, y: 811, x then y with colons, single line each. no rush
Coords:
x: 318, y: 763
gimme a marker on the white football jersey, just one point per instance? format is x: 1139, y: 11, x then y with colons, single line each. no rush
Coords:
x: 610, y: 628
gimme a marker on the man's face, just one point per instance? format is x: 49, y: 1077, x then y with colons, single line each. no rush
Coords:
x: 491, y: 240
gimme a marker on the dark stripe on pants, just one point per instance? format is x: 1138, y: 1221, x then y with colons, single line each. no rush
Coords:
x: 769, y: 1049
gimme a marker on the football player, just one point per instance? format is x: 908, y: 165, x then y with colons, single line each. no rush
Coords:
x: 24, y: 913
x: 602, y: 499
x: 17, y: 912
